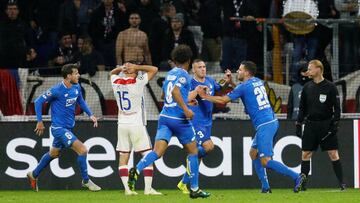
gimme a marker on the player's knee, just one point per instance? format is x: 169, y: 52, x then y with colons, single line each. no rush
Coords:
x: 54, y: 154
x: 306, y: 155
x: 253, y: 154
x: 209, y: 147
x: 83, y: 150
x: 264, y: 162
x: 333, y: 154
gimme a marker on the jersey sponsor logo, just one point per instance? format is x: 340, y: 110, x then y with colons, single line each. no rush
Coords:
x: 122, y: 81
x: 70, y: 102
x: 171, y: 77
x: 322, y: 98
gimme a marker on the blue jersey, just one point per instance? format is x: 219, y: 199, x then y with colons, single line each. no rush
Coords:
x: 256, y: 102
x: 203, y: 111
x: 63, y: 101
x: 180, y: 78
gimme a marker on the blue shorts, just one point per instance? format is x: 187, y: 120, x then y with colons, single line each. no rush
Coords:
x: 203, y: 133
x: 182, y: 129
x: 264, y: 139
x: 63, y: 137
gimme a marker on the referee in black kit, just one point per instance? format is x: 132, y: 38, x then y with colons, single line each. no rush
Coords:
x: 319, y: 110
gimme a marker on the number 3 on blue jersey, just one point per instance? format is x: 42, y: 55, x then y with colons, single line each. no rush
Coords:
x: 261, y: 97
x: 125, y: 103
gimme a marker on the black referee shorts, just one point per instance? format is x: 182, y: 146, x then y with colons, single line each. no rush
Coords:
x: 315, y: 134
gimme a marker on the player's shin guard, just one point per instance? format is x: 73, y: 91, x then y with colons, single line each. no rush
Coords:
x: 148, y: 177
x: 282, y: 169
x: 124, y: 173
x: 192, y: 168
x: 201, y: 152
x: 81, y: 160
x: 146, y: 161
x: 261, y: 173
x: 44, y: 162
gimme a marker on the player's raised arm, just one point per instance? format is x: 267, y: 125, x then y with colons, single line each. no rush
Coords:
x: 150, y: 70
x: 116, y: 70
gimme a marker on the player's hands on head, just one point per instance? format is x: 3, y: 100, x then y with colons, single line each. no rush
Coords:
x: 94, y: 120
x: 39, y: 129
x: 129, y: 68
x: 189, y: 114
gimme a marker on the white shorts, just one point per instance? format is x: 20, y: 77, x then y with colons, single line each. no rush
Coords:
x: 132, y: 137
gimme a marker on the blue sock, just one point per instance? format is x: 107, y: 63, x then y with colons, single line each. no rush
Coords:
x: 280, y: 168
x: 261, y: 173
x: 185, y: 179
x: 201, y: 152
x: 45, y: 160
x: 193, y: 171
x: 146, y: 161
x: 83, y: 167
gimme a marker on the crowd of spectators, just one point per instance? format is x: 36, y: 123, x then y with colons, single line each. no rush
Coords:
x: 43, y: 35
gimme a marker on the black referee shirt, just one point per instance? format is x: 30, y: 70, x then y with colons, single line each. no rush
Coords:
x: 319, y: 102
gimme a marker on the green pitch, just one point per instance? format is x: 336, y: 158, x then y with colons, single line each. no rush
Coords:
x: 172, y: 196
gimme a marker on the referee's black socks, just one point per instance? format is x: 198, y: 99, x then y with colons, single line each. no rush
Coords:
x: 305, y: 167
x: 338, y: 170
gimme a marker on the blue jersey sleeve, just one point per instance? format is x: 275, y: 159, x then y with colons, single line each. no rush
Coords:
x: 182, y: 80
x: 49, y: 95
x: 237, y: 92
x: 83, y: 105
x: 217, y: 87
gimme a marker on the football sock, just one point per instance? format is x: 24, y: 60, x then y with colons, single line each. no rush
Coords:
x: 124, y: 176
x: 44, y: 162
x: 261, y: 173
x: 81, y: 160
x: 192, y: 168
x: 282, y: 169
x: 338, y: 170
x: 305, y: 167
x: 146, y: 161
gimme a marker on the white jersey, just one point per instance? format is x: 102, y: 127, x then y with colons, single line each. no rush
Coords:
x: 129, y: 95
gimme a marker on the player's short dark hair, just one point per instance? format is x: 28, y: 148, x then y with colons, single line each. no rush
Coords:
x: 181, y: 54
x: 250, y: 67
x: 68, y: 69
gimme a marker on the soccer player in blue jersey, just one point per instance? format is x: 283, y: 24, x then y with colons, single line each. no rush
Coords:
x: 175, y: 119
x: 202, y: 109
x: 63, y: 98
x: 253, y: 95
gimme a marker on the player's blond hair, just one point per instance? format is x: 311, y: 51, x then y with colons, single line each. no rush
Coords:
x: 318, y: 64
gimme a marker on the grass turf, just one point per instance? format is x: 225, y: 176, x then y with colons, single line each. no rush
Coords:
x: 172, y: 196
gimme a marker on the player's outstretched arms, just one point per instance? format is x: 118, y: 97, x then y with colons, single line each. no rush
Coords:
x: 39, y: 129
x: 214, y: 99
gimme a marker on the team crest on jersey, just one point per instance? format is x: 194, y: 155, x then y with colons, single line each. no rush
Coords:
x: 182, y: 80
x: 48, y: 93
x: 322, y: 98
x: 65, y: 95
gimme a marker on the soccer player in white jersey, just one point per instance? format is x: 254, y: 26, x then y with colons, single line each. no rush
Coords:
x: 128, y: 82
